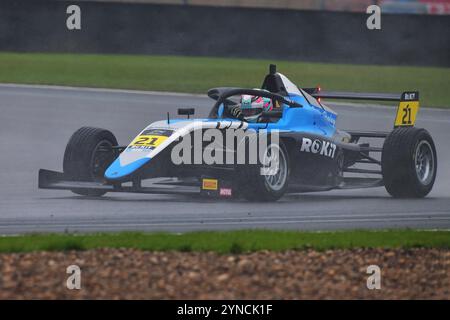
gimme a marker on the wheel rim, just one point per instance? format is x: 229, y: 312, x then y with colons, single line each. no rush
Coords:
x: 277, y: 180
x: 101, y: 159
x: 424, y: 162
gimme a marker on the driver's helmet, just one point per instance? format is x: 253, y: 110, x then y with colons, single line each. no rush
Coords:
x: 253, y: 106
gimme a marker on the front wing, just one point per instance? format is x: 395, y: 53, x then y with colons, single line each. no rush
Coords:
x: 49, y: 179
x: 57, y: 180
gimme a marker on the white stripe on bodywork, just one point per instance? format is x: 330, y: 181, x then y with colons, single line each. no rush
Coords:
x: 290, y: 87
x: 181, y: 129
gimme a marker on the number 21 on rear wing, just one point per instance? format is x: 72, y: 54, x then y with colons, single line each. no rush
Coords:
x: 407, y: 109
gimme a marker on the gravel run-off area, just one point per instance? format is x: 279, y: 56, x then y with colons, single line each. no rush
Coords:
x: 303, y: 274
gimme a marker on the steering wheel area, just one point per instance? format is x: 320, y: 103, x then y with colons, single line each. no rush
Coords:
x: 224, y: 105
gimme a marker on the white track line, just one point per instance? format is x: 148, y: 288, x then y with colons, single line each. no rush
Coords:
x: 174, y: 94
x: 100, y: 90
x: 193, y: 224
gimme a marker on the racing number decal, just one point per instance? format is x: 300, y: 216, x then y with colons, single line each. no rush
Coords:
x: 406, y: 119
x: 147, y: 141
x: 406, y: 113
x: 143, y: 140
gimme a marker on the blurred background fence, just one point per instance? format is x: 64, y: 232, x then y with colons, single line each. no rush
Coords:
x: 232, y: 28
x: 388, y: 6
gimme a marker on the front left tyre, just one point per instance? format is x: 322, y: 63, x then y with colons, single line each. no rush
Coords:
x: 88, y: 154
x: 269, y: 183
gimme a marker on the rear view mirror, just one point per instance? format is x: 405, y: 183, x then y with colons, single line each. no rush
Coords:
x: 186, y: 112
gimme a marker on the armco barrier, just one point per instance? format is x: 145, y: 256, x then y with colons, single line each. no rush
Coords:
x: 231, y: 32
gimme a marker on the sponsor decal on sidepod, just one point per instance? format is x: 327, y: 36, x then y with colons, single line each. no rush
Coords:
x: 324, y: 148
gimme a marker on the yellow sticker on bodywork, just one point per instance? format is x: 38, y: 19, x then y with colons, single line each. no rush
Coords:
x: 210, y: 184
x: 147, y: 141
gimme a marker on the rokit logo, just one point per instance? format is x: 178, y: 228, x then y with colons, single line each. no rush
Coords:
x: 325, y: 148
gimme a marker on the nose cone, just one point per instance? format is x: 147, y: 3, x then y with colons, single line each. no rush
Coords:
x: 117, y: 171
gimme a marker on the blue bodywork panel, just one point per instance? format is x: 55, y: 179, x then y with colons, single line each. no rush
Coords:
x: 117, y: 171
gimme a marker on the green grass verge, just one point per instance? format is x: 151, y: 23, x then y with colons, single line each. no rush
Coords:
x: 196, y: 75
x: 230, y: 241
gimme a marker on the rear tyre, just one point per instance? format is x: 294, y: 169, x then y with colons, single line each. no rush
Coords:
x: 409, y: 163
x: 88, y: 154
x: 256, y: 186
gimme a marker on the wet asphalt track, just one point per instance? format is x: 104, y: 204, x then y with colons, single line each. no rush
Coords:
x: 36, y: 123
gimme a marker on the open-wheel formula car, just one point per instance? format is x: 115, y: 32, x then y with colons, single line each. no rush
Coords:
x: 311, y: 153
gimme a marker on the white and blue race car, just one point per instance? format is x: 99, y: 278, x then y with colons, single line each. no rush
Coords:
x: 308, y: 154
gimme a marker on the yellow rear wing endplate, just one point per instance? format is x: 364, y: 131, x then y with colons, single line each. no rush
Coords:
x: 407, y: 109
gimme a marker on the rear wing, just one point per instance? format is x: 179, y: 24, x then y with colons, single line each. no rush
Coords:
x: 407, y: 110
